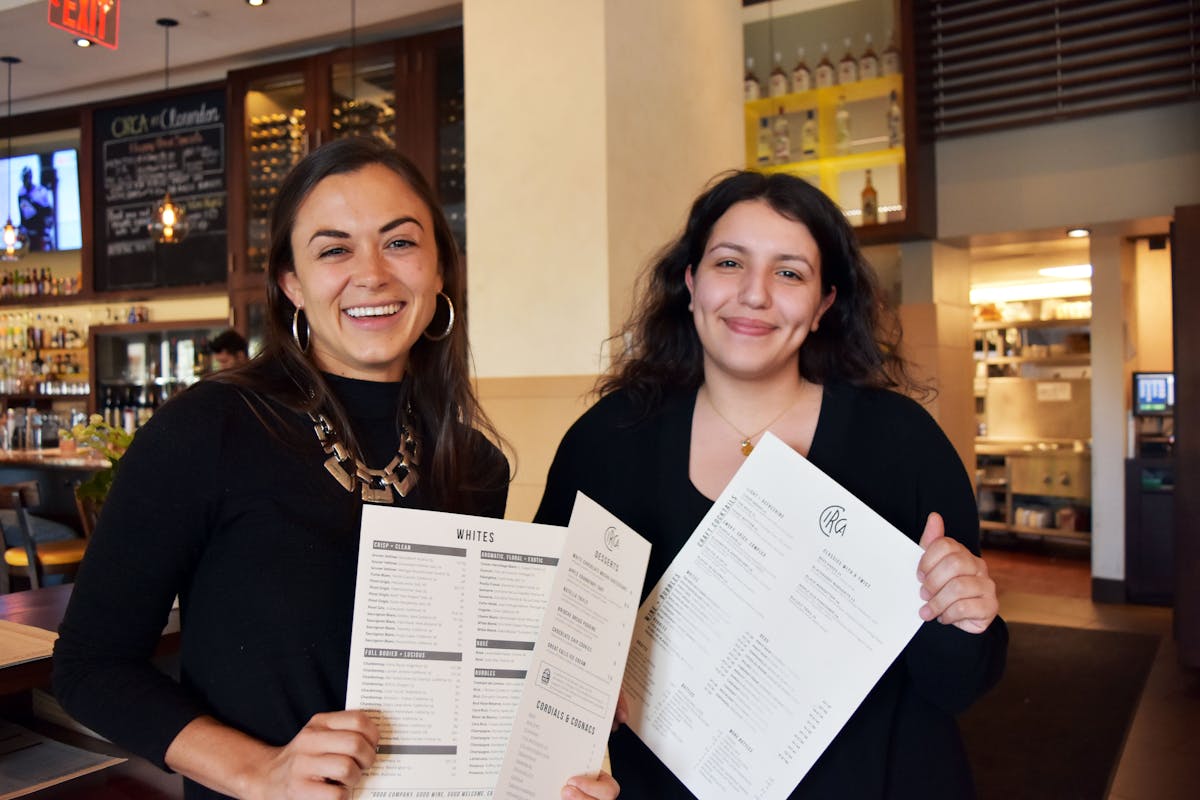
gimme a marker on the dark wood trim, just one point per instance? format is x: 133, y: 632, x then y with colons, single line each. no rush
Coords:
x: 1108, y: 590
x: 1185, y: 298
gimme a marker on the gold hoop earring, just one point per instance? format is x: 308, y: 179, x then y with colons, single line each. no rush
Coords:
x: 449, y: 322
x: 296, y: 331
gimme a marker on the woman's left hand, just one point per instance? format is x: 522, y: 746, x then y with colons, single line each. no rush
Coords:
x: 586, y: 787
x: 954, y: 582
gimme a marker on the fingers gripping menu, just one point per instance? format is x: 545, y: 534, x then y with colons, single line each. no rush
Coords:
x: 769, y: 628
x: 447, y: 610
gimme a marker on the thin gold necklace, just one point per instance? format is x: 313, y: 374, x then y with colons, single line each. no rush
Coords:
x: 747, y: 443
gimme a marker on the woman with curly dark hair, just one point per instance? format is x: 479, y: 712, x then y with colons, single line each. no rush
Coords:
x: 764, y: 316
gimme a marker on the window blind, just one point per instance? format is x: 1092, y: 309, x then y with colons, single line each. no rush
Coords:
x: 986, y: 65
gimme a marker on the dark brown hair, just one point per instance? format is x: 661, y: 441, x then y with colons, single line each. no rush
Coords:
x: 455, y: 469
x: 857, y: 341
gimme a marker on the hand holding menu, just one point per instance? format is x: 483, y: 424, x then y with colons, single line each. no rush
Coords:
x: 771, y: 625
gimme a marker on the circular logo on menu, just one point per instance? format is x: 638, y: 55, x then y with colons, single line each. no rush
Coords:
x: 833, y: 521
x: 612, y: 539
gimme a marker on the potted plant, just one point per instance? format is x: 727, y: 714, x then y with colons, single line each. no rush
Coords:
x: 105, y: 440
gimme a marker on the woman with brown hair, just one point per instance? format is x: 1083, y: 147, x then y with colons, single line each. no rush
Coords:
x: 243, y: 496
x: 763, y: 316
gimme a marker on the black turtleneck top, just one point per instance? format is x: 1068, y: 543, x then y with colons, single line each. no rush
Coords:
x: 234, y: 512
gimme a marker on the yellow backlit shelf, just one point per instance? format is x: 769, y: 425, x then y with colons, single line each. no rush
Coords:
x: 797, y: 102
x: 873, y: 159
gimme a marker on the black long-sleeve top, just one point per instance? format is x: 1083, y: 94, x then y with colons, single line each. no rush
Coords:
x: 902, y: 742
x: 223, y: 500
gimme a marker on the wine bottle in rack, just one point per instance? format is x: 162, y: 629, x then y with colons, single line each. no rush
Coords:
x: 868, y: 62
x: 848, y: 66
x: 783, y: 139
x: 841, y: 124
x: 870, y: 203
x: 895, y: 121
x: 826, y: 74
x: 889, y: 60
x: 802, y: 79
x: 777, y: 81
x: 751, y: 84
x: 809, y: 135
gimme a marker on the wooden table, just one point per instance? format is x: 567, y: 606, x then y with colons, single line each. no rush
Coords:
x: 136, y: 779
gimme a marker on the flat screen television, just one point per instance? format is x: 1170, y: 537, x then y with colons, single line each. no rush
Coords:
x: 1153, y: 394
x: 41, y: 197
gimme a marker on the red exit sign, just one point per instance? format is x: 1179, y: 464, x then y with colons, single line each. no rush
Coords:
x: 95, y: 20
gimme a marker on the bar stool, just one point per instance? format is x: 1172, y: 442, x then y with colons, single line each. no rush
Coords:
x: 30, y: 559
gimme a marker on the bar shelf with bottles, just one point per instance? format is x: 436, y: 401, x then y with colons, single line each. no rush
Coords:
x: 830, y: 137
x: 41, y: 356
x: 137, y: 367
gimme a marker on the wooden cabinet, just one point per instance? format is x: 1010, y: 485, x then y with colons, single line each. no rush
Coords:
x: 407, y: 93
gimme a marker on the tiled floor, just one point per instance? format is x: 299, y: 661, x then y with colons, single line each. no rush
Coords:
x: 1161, y: 759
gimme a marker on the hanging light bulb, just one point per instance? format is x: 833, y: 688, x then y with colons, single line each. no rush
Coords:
x: 170, y: 223
x: 16, y: 243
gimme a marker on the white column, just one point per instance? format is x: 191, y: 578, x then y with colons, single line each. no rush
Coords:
x: 590, y: 127
x: 1112, y: 260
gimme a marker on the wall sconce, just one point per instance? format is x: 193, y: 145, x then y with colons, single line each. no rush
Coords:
x: 170, y: 223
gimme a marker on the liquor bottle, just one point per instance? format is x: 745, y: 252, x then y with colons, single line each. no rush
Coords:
x: 826, y: 74
x: 802, y: 79
x: 753, y: 89
x: 889, y: 61
x: 809, y: 135
x: 777, y: 81
x: 870, y: 203
x: 868, y: 62
x: 763, y: 155
x: 841, y: 121
x: 895, y: 121
x: 847, y: 67
x: 783, y: 139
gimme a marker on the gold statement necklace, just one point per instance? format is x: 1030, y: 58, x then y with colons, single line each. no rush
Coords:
x: 746, y: 445
x: 377, y: 484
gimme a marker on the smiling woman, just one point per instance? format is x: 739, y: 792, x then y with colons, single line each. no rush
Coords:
x: 763, y: 315
x: 247, y: 492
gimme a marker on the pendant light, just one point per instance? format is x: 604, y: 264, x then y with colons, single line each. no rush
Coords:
x: 16, y: 243
x: 170, y: 222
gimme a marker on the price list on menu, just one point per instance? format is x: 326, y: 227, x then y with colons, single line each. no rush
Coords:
x: 140, y: 152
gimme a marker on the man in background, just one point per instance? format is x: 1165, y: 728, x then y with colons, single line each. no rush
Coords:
x: 36, y: 204
x: 228, y: 350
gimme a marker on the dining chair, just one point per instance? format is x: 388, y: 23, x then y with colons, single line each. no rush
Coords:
x: 32, y: 560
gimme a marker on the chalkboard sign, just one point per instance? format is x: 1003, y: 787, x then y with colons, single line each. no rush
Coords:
x: 140, y: 152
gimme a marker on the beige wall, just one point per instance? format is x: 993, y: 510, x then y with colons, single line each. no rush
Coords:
x: 590, y: 127
x: 1155, y: 348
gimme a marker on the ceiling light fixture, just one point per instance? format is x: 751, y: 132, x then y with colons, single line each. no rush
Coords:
x: 1013, y: 292
x: 1078, y: 233
x: 16, y: 243
x: 82, y: 42
x: 170, y: 222
x: 256, y: 3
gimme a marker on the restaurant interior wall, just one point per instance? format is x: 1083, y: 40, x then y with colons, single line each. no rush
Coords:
x: 570, y: 196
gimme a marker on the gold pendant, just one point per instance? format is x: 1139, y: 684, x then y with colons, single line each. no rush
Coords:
x: 747, y: 447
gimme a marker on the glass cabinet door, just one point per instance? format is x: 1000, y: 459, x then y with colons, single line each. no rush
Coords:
x: 363, y: 95
x: 451, y: 144
x: 276, y: 136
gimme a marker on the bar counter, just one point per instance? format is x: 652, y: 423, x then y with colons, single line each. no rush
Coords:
x: 53, y: 458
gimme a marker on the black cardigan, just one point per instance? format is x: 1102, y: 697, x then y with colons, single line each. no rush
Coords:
x: 902, y: 742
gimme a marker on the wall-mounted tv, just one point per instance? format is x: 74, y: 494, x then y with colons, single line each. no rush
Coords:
x: 1153, y: 394
x: 41, y: 197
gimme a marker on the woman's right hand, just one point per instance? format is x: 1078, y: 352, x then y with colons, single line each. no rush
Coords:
x: 321, y: 762
x: 324, y: 761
